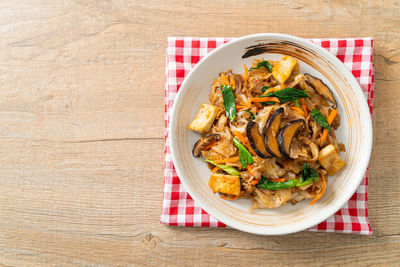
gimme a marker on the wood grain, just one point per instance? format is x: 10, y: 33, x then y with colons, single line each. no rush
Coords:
x: 81, y: 132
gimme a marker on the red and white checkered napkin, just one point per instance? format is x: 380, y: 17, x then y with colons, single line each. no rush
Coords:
x: 182, y: 54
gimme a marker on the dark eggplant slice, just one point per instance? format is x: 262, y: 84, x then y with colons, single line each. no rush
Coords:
x: 286, y: 134
x: 321, y: 88
x: 271, y: 131
x: 256, y: 140
x: 203, y: 142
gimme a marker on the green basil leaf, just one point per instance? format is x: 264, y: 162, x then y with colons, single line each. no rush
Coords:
x: 288, y: 94
x: 268, y: 103
x: 308, y: 175
x: 231, y: 170
x: 229, y: 101
x: 264, y: 64
x: 264, y: 89
x: 251, y: 114
x: 320, y: 119
x: 297, y: 103
x: 245, y: 157
x: 264, y: 183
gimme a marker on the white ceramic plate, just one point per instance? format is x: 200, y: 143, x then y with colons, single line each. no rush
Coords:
x: 355, y: 132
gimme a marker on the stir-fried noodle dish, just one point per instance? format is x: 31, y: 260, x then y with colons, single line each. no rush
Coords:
x: 269, y: 134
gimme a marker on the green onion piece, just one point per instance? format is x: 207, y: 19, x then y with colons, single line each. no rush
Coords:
x: 228, y: 169
x: 264, y: 183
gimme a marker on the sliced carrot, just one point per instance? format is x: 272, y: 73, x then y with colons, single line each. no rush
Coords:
x: 250, y: 169
x: 299, y: 110
x: 277, y: 180
x: 246, y: 73
x: 254, y: 182
x: 245, y: 142
x: 215, y: 82
x: 228, y: 160
x: 240, y: 136
x: 330, y: 119
x: 232, y: 80
x: 332, y: 116
x: 322, y: 191
x: 242, y: 106
x: 304, y: 107
x: 324, y: 135
x: 215, y: 169
x: 264, y: 99
x: 227, y: 198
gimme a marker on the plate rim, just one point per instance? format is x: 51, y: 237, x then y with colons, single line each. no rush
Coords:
x: 366, y: 130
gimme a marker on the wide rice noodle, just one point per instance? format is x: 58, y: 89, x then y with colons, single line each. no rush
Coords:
x: 304, y: 147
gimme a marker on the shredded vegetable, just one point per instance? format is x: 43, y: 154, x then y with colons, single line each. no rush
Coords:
x: 245, y: 142
x: 263, y: 135
x: 246, y: 73
x: 330, y: 119
x: 299, y: 110
x: 265, y: 99
x: 304, y: 107
x: 321, y: 193
x: 228, y: 160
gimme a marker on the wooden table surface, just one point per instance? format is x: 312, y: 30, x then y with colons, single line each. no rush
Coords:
x: 82, y: 121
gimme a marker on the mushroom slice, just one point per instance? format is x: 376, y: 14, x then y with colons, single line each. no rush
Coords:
x: 203, y: 142
x: 256, y: 140
x: 286, y: 134
x: 271, y: 131
x: 321, y: 88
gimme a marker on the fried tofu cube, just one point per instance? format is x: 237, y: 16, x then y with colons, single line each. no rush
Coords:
x: 330, y: 160
x: 204, y: 118
x: 227, y: 184
x: 284, y: 68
